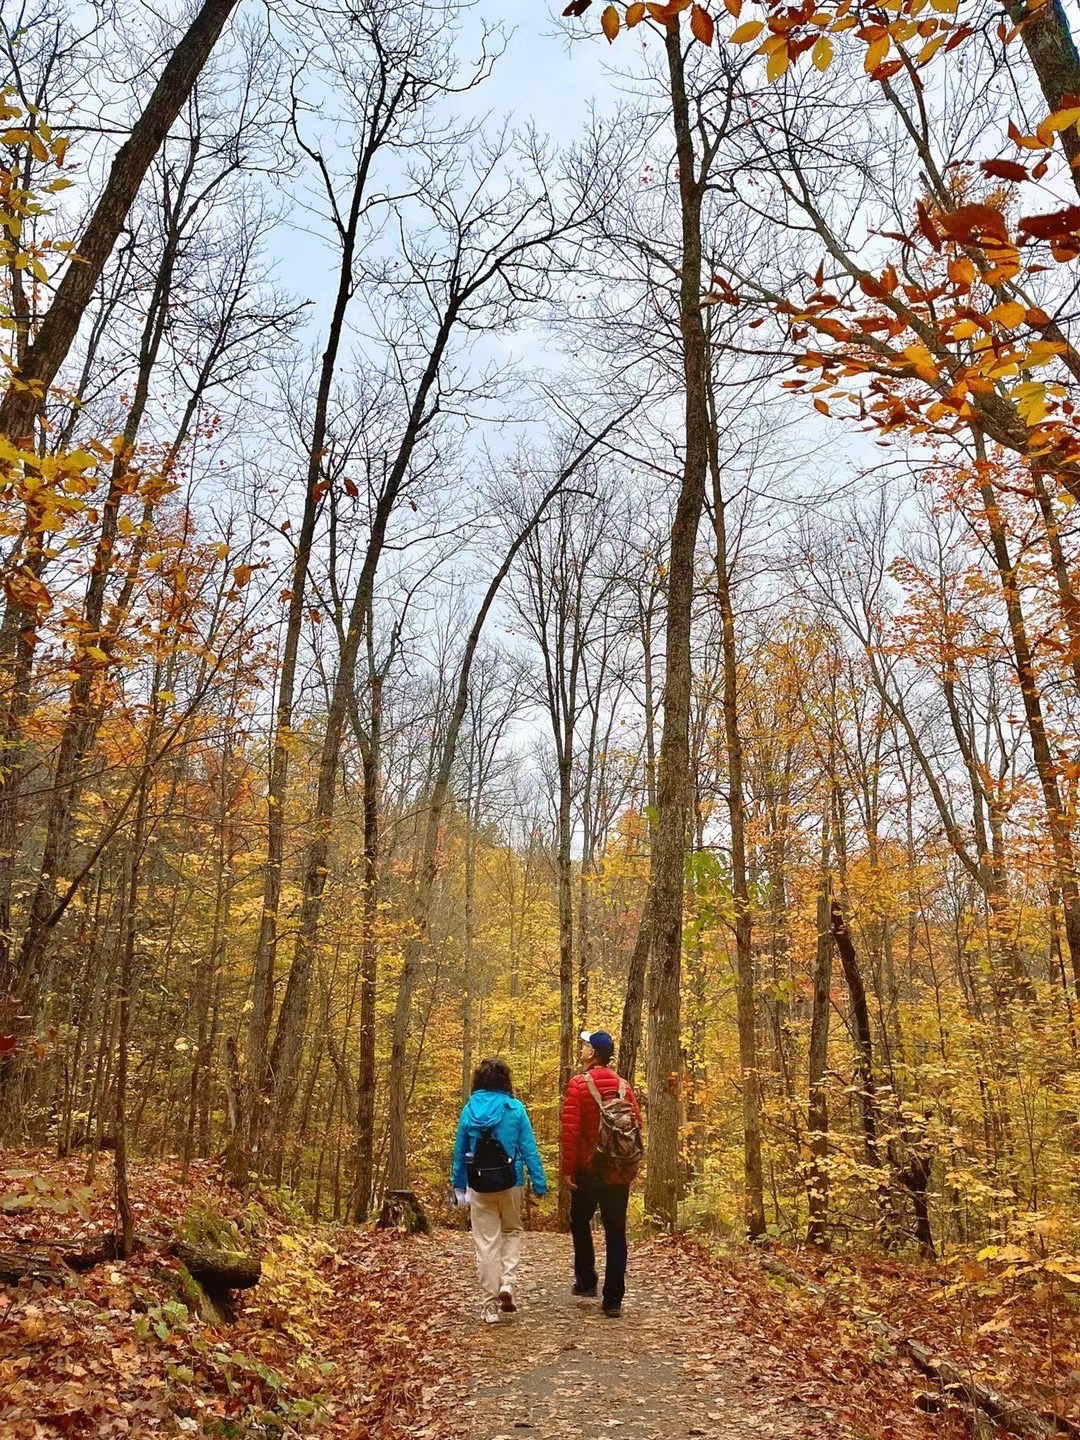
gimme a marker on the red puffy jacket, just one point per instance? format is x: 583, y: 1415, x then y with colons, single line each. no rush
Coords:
x: 581, y: 1116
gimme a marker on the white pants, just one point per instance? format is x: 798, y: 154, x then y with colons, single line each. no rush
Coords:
x: 497, y: 1235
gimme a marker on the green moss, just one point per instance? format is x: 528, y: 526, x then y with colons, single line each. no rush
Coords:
x: 204, y: 1226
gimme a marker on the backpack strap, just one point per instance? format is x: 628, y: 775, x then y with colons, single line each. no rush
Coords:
x: 622, y: 1088
x: 593, y: 1090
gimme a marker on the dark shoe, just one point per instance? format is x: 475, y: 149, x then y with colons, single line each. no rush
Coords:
x: 583, y: 1292
x: 506, y: 1302
x: 613, y: 1312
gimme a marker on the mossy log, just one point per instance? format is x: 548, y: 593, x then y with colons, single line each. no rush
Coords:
x: 217, y: 1270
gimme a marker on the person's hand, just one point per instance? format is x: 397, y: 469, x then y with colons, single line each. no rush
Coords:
x: 571, y: 1183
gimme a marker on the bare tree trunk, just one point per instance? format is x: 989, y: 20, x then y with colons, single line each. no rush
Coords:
x: 673, y: 787
x: 415, y: 946
x: 630, y: 1030
x: 248, y: 1135
x: 1058, y: 821
x: 753, y: 1179
x: 860, y: 1020
x: 472, y: 817
x: 564, y: 873
x: 25, y: 396
x: 124, y: 1213
x: 818, y: 1106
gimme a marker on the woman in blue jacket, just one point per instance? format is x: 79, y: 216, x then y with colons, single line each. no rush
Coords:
x: 494, y: 1147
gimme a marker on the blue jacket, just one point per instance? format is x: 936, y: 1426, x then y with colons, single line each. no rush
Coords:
x: 509, y: 1120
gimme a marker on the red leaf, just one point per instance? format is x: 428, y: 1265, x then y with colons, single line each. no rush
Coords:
x: 1060, y: 224
x: 926, y: 226
x: 972, y: 223
x: 1003, y: 169
x: 701, y: 25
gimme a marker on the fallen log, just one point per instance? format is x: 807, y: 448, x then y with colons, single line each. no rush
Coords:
x: 207, y: 1276
x: 19, y: 1265
x: 1017, y: 1419
x: 52, y: 1259
x: 218, y: 1269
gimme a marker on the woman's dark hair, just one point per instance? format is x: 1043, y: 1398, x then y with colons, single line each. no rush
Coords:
x: 492, y: 1075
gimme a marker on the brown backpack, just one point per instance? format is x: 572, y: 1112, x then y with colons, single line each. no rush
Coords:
x: 618, y: 1151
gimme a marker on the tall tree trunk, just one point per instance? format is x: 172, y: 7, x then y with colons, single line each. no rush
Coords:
x: 259, y: 1080
x: 818, y: 1106
x: 673, y: 786
x: 415, y: 946
x: 369, y: 961
x: 564, y: 874
x: 472, y: 819
x: 26, y: 395
x: 860, y: 1023
x: 1058, y: 820
x: 129, y: 940
x: 630, y: 1029
x: 753, y: 1178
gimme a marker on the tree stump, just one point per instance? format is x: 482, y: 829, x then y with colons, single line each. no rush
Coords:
x: 401, y: 1210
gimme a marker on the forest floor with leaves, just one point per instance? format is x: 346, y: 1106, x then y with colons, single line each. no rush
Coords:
x: 356, y: 1333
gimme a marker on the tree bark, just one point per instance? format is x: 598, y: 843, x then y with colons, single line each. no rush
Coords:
x: 818, y: 1106
x: 753, y: 1179
x: 673, y: 781
x: 25, y: 395
x: 1058, y: 821
x: 1044, y: 29
x: 630, y: 1029
x: 860, y: 1021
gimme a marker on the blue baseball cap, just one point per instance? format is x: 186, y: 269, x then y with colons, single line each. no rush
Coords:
x: 601, y: 1042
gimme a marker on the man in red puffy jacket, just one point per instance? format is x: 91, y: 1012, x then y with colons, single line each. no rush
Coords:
x: 580, y: 1127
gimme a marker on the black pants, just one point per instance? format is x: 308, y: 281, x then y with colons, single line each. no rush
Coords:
x: 611, y: 1200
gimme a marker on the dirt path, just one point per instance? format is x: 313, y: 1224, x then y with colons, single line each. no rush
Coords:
x: 678, y: 1363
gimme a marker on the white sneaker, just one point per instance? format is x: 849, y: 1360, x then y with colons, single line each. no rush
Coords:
x: 491, y: 1314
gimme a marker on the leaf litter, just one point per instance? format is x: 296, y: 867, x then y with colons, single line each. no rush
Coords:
x: 357, y: 1334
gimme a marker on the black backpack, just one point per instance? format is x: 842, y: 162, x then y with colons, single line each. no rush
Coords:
x: 490, y: 1168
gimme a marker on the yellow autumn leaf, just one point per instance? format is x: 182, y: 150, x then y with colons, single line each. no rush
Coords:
x: 743, y: 34
x: 922, y: 361
x: 1010, y: 314
x: 930, y: 49
x: 964, y: 329
x: 779, y: 61
x: 1041, y: 352
x: 876, y: 52
x: 635, y: 14
x: 1061, y: 119
x: 609, y: 22
x: 822, y: 53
